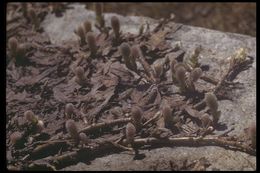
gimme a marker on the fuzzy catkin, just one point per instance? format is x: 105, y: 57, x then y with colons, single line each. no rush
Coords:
x: 211, y: 101
x: 205, y: 120
x: 167, y: 116
x: 91, y: 40
x: 29, y: 115
x: 135, y: 52
x: 80, y: 76
x: 195, y: 74
x: 125, y: 50
x: 128, y: 56
x: 172, y: 65
x: 81, y: 32
x: 130, y: 132
x: 15, y: 137
x: 181, y: 76
x: 83, y: 137
x: 158, y: 70
x: 87, y: 26
x: 137, y: 114
x: 13, y: 44
x: 21, y: 50
x: 40, y: 125
x: 72, y: 129
x: 69, y: 109
x: 115, y: 25
x: 79, y: 72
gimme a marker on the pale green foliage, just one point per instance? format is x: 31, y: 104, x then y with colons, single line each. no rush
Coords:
x: 193, y: 60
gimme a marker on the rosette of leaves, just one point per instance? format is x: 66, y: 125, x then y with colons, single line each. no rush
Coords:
x: 80, y: 77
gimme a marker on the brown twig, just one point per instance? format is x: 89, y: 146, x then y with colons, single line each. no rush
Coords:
x: 196, y: 141
x: 41, y: 166
x: 94, y: 115
x: 51, y: 146
x: 64, y: 160
x: 74, y: 157
x: 85, y: 153
x: 104, y: 125
x: 209, y: 80
x: 121, y: 146
x: 226, y: 133
x: 154, y: 118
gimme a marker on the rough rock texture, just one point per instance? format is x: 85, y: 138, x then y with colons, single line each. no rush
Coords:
x: 217, y: 47
x: 61, y: 29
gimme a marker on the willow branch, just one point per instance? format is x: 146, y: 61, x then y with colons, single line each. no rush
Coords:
x: 94, y: 127
x: 154, y: 118
x: 197, y: 141
x: 86, y: 153
x: 209, y: 80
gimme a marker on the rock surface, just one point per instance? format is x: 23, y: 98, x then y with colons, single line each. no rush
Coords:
x: 217, y: 47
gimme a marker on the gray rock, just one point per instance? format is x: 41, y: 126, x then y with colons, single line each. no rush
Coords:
x: 159, y: 159
x: 60, y: 29
x: 217, y: 47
